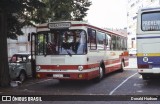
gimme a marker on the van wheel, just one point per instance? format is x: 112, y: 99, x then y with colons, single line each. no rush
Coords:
x: 22, y: 76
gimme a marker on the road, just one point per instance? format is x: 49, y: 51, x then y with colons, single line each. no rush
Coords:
x: 127, y: 83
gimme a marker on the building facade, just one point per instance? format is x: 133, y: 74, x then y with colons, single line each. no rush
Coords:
x: 132, y: 10
x: 21, y: 45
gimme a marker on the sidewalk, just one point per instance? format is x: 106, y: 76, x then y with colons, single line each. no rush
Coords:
x: 132, y: 63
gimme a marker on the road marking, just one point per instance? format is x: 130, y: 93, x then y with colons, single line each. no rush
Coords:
x: 140, y: 91
x: 121, y: 84
x: 138, y: 85
x: 140, y: 77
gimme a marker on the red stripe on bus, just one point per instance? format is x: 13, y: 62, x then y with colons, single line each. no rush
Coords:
x: 71, y: 67
x: 89, y: 66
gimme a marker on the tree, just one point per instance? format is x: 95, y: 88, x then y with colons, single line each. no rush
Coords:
x: 63, y: 10
x: 4, y: 72
x: 19, y: 14
x: 14, y: 14
x: 80, y: 8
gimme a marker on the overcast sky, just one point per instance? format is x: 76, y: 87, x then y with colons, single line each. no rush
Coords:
x: 108, y: 13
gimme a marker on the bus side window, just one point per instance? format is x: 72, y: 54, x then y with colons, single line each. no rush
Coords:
x: 118, y: 43
x: 113, y: 42
x: 40, y: 42
x: 124, y: 44
x: 101, y: 40
x: 92, y: 39
x: 108, y: 42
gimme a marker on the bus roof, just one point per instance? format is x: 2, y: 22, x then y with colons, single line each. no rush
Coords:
x: 150, y: 9
x: 81, y: 23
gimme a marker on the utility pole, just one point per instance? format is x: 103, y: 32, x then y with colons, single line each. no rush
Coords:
x: 4, y: 69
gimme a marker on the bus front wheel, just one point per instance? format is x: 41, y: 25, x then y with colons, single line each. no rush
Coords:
x: 101, y: 74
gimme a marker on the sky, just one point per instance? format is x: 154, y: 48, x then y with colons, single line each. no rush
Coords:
x: 108, y: 14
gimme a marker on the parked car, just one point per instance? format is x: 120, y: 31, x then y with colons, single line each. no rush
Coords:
x: 20, y: 66
x: 132, y: 52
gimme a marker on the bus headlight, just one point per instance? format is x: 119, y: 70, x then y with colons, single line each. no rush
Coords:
x: 80, y: 68
x: 38, y: 68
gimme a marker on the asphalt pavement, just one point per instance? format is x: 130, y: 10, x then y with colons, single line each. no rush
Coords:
x: 132, y: 66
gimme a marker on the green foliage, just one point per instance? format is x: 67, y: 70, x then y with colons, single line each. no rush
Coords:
x: 80, y: 9
x: 19, y: 13
x: 65, y: 9
x: 26, y: 12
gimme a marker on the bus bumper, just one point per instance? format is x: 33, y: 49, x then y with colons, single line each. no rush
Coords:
x: 149, y: 71
x: 69, y: 76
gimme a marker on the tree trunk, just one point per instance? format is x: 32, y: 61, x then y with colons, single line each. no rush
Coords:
x: 4, y: 69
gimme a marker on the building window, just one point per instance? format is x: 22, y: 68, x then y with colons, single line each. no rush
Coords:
x: 129, y: 1
x: 135, y: 17
x: 137, y: 1
x: 132, y: 5
x: 153, y: 0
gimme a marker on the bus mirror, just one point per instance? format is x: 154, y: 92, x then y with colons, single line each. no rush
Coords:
x: 29, y: 36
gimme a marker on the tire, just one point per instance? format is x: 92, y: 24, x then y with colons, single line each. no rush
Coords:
x: 101, y: 74
x: 144, y: 77
x: 22, y: 76
x: 122, y: 67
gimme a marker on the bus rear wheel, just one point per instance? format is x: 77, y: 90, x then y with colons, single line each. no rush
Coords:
x: 122, y: 67
x: 145, y: 77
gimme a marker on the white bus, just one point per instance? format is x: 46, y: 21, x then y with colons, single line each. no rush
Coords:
x: 75, y: 50
x: 148, y: 42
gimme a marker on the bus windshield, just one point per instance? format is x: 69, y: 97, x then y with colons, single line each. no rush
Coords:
x: 58, y: 42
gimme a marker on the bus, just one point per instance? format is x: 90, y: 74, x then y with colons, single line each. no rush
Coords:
x: 76, y: 50
x: 148, y: 42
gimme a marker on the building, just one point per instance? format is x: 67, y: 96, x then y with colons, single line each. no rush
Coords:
x: 20, y: 45
x: 132, y: 9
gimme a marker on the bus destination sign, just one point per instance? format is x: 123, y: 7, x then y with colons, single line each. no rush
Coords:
x: 59, y: 25
x: 153, y: 25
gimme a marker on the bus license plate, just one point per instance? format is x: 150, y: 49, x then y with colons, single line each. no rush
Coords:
x: 57, y: 75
